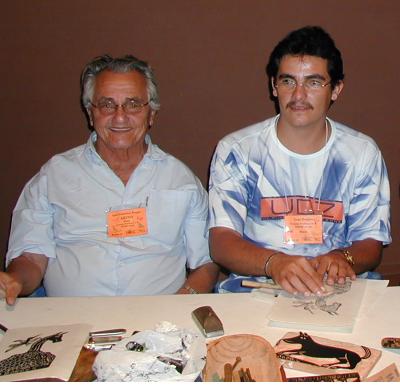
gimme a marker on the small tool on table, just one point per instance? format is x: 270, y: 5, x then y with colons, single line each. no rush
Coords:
x: 208, y: 322
x: 228, y: 370
x: 260, y: 285
x: 104, y: 340
x: 108, y: 332
x: 390, y: 342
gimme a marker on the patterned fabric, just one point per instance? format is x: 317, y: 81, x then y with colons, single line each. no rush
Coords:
x: 62, y: 214
x: 255, y: 181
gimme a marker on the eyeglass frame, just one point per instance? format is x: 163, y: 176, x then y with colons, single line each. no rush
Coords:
x: 303, y: 84
x: 136, y: 109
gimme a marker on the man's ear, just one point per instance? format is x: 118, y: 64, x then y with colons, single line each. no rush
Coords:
x: 89, y: 113
x: 152, y: 117
x: 274, y: 92
x: 337, y: 90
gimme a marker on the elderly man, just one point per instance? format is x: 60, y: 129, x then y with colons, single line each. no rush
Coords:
x: 299, y: 197
x: 117, y: 216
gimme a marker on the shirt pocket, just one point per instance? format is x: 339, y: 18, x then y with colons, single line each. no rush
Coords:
x: 166, y: 212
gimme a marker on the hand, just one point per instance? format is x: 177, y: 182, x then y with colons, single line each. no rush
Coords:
x: 335, y: 266
x: 10, y: 288
x: 295, y: 274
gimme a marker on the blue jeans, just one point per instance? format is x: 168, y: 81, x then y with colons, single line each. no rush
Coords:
x: 39, y: 292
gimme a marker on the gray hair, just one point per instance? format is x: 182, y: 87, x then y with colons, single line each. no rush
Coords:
x: 119, y: 64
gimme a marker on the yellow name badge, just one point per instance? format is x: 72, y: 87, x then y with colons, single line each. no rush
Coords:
x: 127, y: 223
x: 303, y: 229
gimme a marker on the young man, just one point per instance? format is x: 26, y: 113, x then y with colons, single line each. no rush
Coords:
x: 117, y: 216
x: 299, y: 197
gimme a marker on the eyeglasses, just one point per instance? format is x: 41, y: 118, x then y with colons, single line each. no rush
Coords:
x: 289, y: 84
x: 130, y: 106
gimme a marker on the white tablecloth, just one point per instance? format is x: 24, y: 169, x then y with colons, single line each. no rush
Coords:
x: 240, y: 313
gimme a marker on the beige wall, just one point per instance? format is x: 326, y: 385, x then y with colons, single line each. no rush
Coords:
x: 209, y: 56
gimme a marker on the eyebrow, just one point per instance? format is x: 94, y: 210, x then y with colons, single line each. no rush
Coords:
x: 312, y: 76
x: 126, y: 99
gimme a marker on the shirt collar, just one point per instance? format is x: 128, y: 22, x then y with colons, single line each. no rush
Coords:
x: 153, y: 151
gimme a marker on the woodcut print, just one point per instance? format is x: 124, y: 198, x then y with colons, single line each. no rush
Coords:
x: 328, y: 355
x: 32, y: 359
x: 43, y: 352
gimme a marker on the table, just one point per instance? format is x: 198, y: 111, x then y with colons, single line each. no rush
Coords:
x: 240, y: 313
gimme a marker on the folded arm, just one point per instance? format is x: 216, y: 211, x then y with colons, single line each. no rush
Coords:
x: 201, y: 280
x: 366, y: 256
x: 23, y: 276
x: 294, y: 273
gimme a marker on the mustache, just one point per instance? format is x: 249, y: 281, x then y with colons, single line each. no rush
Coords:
x: 296, y: 104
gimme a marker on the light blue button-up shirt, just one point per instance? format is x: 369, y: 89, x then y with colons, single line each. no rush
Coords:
x: 62, y: 211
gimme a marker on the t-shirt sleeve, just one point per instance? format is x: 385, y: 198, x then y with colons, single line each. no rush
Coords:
x: 228, y: 189
x: 370, y: 205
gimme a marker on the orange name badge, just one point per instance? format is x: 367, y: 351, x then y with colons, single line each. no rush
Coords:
x: 303, y: 229
x: 127, y: 223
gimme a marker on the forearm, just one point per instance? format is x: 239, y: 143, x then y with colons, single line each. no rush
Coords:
x: 362, y: 256
x: 234, y: 253
x: 201, y: 280
x: 366, y: 255
x: 293, y: 273
x: 28, y: 270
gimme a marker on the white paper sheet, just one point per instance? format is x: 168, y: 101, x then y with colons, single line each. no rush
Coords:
x: 336, y: 311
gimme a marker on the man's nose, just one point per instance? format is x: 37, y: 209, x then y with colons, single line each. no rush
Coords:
x: 299, y: 90
x: 119, y: 112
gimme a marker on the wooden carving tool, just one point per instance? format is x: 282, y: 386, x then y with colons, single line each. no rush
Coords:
x: 260, y: 285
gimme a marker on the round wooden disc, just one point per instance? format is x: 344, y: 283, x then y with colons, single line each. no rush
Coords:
x: 255, y: 353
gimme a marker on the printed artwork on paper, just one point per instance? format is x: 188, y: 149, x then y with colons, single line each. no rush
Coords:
x: 305, y: 352
x: 336, y: 309
x: 41, y: 352
x: 34, y: 358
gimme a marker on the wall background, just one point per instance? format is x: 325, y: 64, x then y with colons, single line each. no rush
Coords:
x: 209, y: 58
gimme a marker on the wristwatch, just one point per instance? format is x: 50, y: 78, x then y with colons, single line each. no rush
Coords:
x: 347, y: 255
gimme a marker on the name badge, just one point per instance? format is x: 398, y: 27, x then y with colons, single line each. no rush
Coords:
x: 127, y: 223
x: 303, y: 229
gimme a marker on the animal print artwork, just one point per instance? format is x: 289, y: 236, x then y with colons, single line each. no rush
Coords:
x: 41, y: 352
x: 299, y: 350
x: 324, y: 303
x: 32, y: 359
x: 335, y: 310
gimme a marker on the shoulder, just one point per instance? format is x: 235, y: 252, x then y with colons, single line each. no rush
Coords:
x: 245, y: 137
x: 65, y: 158
x: 173, y: 171
x: 54, y: 170
x: 355, y: 140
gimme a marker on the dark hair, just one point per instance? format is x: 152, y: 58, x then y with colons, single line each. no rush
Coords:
x: 118, y: 64
x: 311, y: 41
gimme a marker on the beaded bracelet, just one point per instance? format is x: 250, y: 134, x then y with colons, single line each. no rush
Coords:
x: 268, y: 260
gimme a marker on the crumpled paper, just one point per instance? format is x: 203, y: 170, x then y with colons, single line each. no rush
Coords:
x: 167, y: 340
